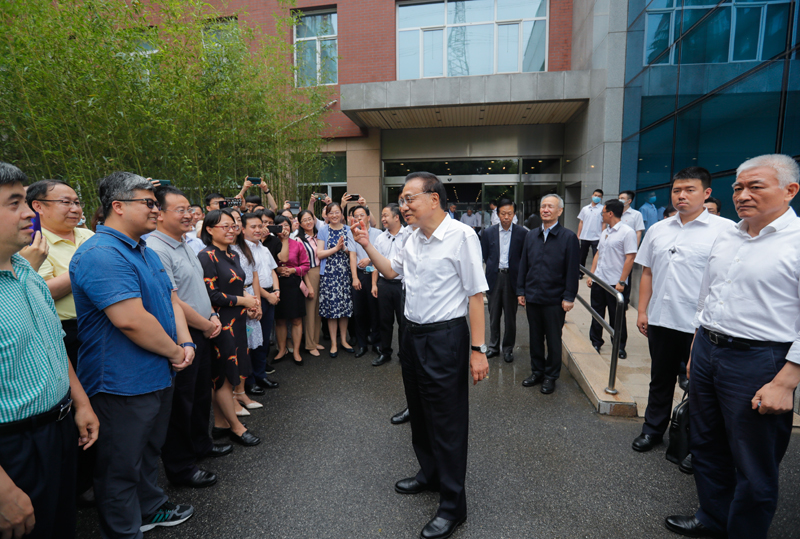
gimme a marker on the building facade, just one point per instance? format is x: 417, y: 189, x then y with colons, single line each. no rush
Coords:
x: 519, y: 98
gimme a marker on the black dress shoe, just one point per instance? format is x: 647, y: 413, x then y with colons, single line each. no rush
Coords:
x: 492, y: 353
x: 686, y: 465
x: 266, y: 383
x: 220, y: 450
x: 254, y: 390
x: 86, y: 499
x: 622, y: 354
x: 333, y: 354
x: 298, y: 363
x: 689, y: 526
x: 440, y: 528
x: 548, y: 386
x: 380, y: 360
x: 377, y: 349
x: 645, y: 442
x: 348, y: 350
x: 199, y: 479
x: 597, y: 347
x: 401, y: 417
x: 410, y: 485
x: 246, y: 439
x: 508, y: 357
x: 361, y: 351
x: 533, y: 380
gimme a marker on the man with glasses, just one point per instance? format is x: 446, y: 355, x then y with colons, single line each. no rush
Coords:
x: 133, y: 338
x: 442, y: 269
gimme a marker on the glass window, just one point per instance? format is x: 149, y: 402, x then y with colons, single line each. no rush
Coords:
x: 316, y: 49
x: 541, y: 166
x: 454, y: 168
x: 655, y: 155
x: 791, y: 133
x: 708, y: 41
x: 657, y: 39
x: 775, y: 28
x: 748, y: 24
x: 472, y: 38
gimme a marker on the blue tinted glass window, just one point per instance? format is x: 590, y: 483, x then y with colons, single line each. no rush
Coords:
x: 708, y: 41
x: 745, y: 40
x: 791, y: 132
x: 775, y: 28
x: 655, y: 155
x: 323, y: 24
x: 520, y: 9
x: 657, y: 39
x: 433, y: 58
x: 658, y: 93
x: 463, y: 11
x: 329, y: 60
x: 722, y: 190
x: 418, y: 15
x: 507, y: 48
x: 533, y: 46
x: 470, y: 50
x: 307, y: 63
x: 408, y: 54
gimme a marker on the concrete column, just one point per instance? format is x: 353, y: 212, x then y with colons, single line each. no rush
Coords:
x: 364, y: 168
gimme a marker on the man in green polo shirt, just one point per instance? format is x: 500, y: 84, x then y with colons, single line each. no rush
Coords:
x: 37, y: 388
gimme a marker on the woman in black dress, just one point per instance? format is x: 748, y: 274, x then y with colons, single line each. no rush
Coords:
x: 224, y: 280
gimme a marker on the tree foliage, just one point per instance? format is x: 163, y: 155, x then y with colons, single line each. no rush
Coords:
x: 170, y: 90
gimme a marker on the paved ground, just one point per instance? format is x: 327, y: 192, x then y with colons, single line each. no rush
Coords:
x: 540, y: 466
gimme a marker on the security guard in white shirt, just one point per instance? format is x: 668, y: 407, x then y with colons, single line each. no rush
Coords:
x: 745, y: 362
x: 673, y: 254
x: 442, y: 268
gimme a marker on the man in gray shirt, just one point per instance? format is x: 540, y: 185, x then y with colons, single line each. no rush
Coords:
x: 187, y: 435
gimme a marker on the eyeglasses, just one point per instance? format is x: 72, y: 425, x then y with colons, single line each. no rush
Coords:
x: 151, y: 203
x: 67, y: 203
x: 227, y: 227
x: 181, y: 211
x: 403, y: 201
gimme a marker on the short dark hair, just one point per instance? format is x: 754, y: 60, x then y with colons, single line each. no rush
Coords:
x: 38, y: 190
x: 395, y: 209
x: 196, y: 206
x: 506, y: 202
x: 694, y: 173
x: 266, y: 213
x: 430, y: 184
x: 247, y: 216
x: 631, y: 194
x: 615, y: 207
x: 212, y: 219
x: 212, y: 196
x: 598, y: 191
x: 669, y: 210
x: 253, y: 199
x: 331, y: 205
x: 162, y: 191
x: 10, y: 174
x: 120, y: 185
x: 353, y: 209
x: 714, y: 201
x: 280, y: 219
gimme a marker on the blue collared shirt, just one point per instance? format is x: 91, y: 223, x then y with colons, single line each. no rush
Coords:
x: 108, y: 268
x: 547, y: 230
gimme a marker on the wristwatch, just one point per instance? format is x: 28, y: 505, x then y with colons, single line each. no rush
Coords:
x: 482, y: 348
x: 267, y: 192
x: 623, y: 283
x: 189, y: 344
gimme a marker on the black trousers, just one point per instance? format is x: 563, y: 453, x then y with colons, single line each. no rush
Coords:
x: 585, y: 246
x: 600, y: 300
x: 71, y: 341
x: 435, y: 367
x: 187, y: 434
x: 668, y: 349
x: 41, y: 462
x: 735, y: 450
x: 390, y: 306
x: 503, y: 303
x: 126, y: 476
x: 365, y: 311
x: 545, y: 323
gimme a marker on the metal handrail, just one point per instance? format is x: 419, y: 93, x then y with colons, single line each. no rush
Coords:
x: 615, y: 332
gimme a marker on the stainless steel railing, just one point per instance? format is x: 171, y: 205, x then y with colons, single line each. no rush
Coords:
x: 615, y: 332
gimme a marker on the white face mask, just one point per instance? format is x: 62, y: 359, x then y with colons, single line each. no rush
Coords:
x: 624, y: 202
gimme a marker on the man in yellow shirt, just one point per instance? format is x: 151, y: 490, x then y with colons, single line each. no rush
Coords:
x: 60, y: 210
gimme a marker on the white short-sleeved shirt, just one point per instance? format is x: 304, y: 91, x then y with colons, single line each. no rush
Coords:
x: 677, y: 254
x: 265, y: 264
x: 388, y: 245
x: 441, y: 272
x: 592, y: 218
x: 615, y: 243
x: 751, y: 286
x: 633, y: 218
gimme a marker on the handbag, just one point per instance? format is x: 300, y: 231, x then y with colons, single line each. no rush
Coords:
x: 303, y: 288
x: 679, y: 432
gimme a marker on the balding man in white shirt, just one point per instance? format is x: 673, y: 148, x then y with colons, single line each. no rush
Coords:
x: 442, y: 268
x: 673, y: 254
x: 745, y: 362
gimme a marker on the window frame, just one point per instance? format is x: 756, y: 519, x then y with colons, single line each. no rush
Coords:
x: 318, y: 42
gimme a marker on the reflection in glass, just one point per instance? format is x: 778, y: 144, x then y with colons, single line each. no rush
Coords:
x: 408, y: 54
x: 329, y: 60
x: 657, y: 37
x: 323, y: 24
x: 454, y: 168
x: 533, y: 46
x: 748, y: 23
x: 418, y: 15
x: 432, y: 53
x: 791, y: 134
x: 307, y: 63
x: 655, y: 155
x: 507, y: 48
x: 461, y: 11
x: 520, y: 9
x: 708, y: 42
x: 470, y: 50
x: 541, y: 166
x: 775, y: 28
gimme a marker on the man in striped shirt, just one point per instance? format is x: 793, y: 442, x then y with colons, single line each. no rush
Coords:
x: 39, y: 391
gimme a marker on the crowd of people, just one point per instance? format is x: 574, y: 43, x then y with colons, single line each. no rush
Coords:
x: 121, y: 344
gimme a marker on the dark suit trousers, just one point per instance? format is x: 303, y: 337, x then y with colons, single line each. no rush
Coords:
x: 187, y: 435
x: 390, y: 307
x: 365, y: 311
x: 735, y: 450
x: 668, y: 349
x: 600, y: 300
x: 545, y: 323
x: 503, y: 303
x: 586, y: 245
x: 435, y: 368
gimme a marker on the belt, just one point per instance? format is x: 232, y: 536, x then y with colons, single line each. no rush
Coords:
x: 393, y: 281
x: 413, y: 327
x: 503, y: 270
x: 57, y: 413
x: 726, y: 341
x: 72, y: 323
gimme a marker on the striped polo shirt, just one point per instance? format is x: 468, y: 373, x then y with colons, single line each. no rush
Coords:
x: 34, y: 375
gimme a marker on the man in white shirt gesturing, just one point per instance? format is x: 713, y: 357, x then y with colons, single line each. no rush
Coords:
x: 442, y: 268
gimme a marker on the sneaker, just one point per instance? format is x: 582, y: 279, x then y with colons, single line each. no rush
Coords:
x: 269, y: 369
x: 168, y: 514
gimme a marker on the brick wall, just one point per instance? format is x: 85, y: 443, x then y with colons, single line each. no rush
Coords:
x: 560, y: 51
